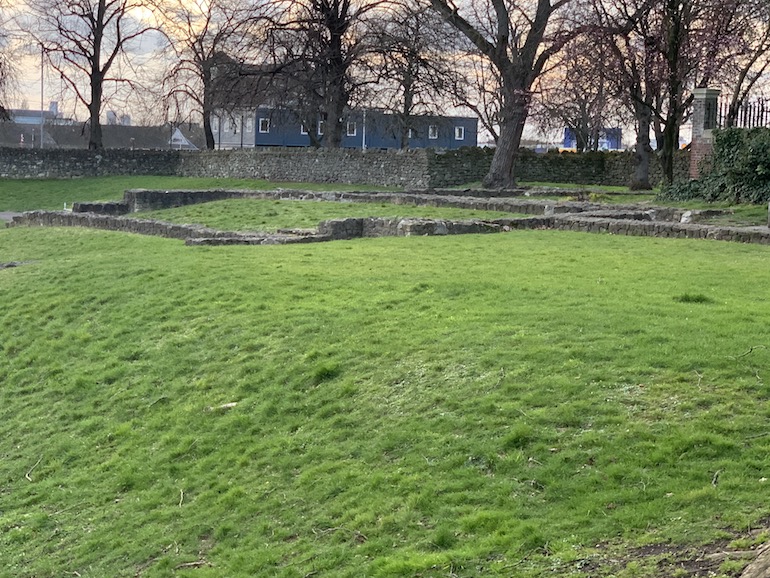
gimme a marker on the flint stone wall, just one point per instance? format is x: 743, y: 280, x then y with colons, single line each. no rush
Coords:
x: 144, y: 199
x: 371, y: 227
x: 415, y: 169
x: 150, y: 227
x: 388, y: 168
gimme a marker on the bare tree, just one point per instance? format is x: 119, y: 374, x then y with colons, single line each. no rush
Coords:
x: 517, y: 39
x: 576, y: 93
x: 478, y: 90
x: 86, y: 42
x: 317, y: 46
x: 661, y: 50
x: 413, y: 62
x: 6, y: 61
x: 207, y: 38
x: 751, y: 56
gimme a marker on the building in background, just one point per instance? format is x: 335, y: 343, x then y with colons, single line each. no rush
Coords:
x: 363, y: 129
x: 610, y: 139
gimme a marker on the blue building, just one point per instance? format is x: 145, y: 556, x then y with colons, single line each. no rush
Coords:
x: 610, y: 139
x: 362, y: 129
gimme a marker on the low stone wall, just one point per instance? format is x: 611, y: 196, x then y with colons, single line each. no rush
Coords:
x: 68, y: 163
x: 150, y: 227
x: 111, y: 223
x: 419, y: 168
x: 592, y: 168
x: 407, y: 169
x: 760, y: 235
x: 373, y: 227
x: 102, y: 208
x: 145, y: 200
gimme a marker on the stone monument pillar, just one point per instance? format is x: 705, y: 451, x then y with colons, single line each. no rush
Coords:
x: 704, y: 120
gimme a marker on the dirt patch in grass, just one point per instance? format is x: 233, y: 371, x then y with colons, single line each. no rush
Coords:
x: 12, y: 264
x: 725, y: 558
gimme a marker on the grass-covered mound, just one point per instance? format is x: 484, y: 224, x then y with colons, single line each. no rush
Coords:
x: 507, y: 405
x: 269, y: 215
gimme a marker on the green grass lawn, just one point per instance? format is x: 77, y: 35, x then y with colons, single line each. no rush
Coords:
x: 741, y: 215
x: 269, y: 215
x: 51, y: 194
x: 526, y: 404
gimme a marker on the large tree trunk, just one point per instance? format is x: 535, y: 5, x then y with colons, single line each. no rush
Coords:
x: 501, y: 173
x: 406, y: 112
x: 207, y: 104
x: 670, y: 145
x: 209, y: 134
x: 95, y: 142
x: 641, y: 178
x: 337, y: 70
x: 334, y: 122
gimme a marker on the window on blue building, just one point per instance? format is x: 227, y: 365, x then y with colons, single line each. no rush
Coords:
x: 459, y: 133
x: 264, y: 125
x: 433, y: 132
x: 351, y: 128
x: 411, y: 133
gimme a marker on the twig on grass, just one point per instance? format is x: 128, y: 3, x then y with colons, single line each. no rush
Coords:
x: 196, y: 564
x: 751, y: 350
x: 181, y: 497
x: 27, y: 475
x: 715, y: 479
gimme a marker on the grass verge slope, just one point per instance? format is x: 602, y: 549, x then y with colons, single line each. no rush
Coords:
x: 478, y: 405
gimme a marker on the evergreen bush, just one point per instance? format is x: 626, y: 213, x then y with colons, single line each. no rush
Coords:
x: 740, y: 170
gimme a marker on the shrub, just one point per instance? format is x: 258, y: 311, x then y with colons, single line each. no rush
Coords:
x: 740, y: 171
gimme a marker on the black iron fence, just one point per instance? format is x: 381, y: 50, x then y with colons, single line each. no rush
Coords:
x: 746, y: 115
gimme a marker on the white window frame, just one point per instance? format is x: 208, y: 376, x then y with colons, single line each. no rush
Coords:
x: 302, y: 128
x: 264, y: 125
x: 321, y: 126
x: 351, y: 124
x: 459, y: 133
x: 433, y: 132
x: 226, y: 124
x: 249, y: 124
x: 410, y: 133
x: 214, y: 124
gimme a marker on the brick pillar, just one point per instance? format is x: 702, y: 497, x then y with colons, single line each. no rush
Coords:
x: 704, y: 119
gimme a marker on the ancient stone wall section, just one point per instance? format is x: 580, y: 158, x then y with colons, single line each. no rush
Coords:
x: 357, y: 228
x: 413, y: 169
x: 407, y: 169
x: 144, y: 200
x: 65, y: 163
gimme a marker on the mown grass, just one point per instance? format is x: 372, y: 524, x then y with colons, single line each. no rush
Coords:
x: 496, y: 405
x: 52, y: 194
x: 601, y: 188
x: 269, y: 215
x: 741, y: 216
